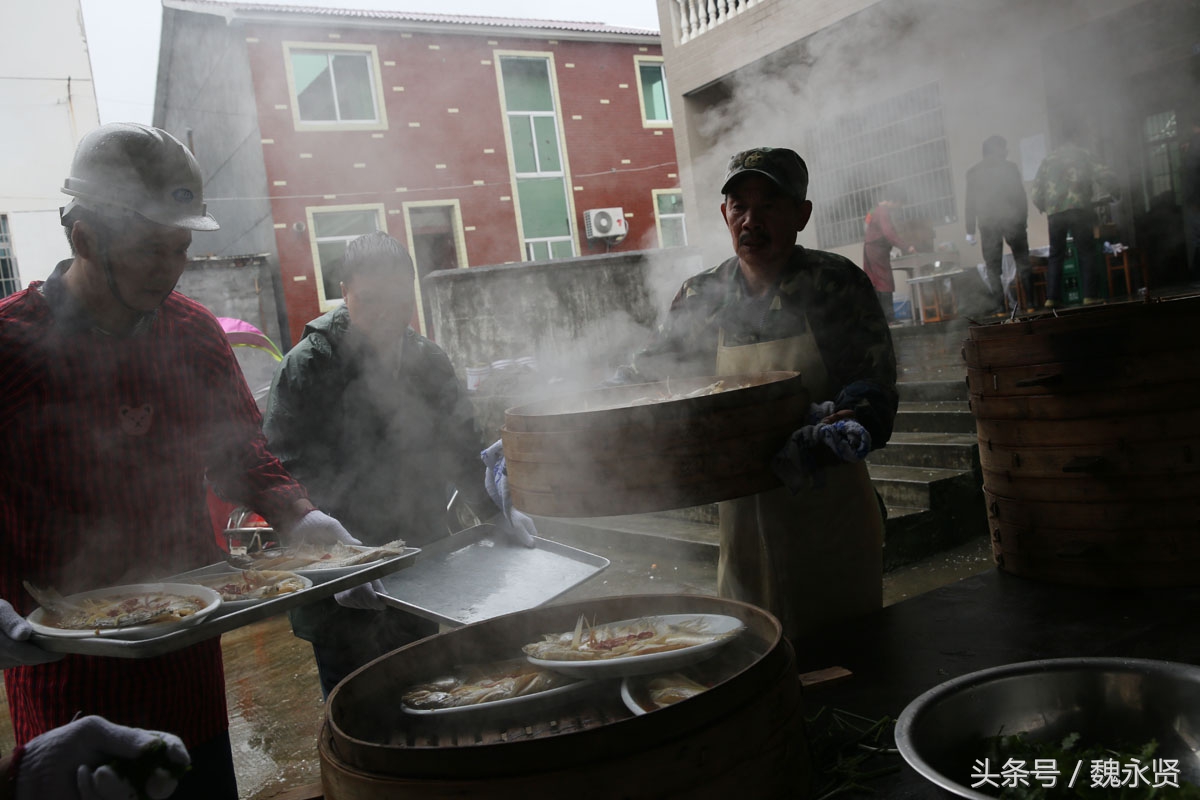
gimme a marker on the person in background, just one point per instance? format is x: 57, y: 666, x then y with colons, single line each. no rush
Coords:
x: 1064, y: 190
x: 996, y: 198
x: 809, y: 552
x: 881, y: 237
x: 370, y: 417
x: 117, y: 397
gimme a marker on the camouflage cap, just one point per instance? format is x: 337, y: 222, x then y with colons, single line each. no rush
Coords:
x: 783, y: 166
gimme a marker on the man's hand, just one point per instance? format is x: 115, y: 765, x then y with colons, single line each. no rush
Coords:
x: 94, y: 759
x: 317, y: 527
x: 970, y: 238
x: 15, y: 650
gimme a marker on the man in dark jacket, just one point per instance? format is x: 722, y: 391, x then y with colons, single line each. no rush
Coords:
x: 996, y: 198
x: 371, y: 414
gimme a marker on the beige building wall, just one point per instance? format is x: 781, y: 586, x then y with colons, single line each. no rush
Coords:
x: 768, y: 75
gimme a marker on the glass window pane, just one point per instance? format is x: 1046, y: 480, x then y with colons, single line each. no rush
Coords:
x: 522, y: 143
x: 526, y: 84
x: 546, y: 129
x: 654, y: 93
x: 331, y: 254
x: 314, y: 87
x: 563, y: 248
x: 355, y: 97
x: 670, y: 203
x: 543, y: 207
x: 344, y: 223
x: 538, y: 251
x: 673, y: 234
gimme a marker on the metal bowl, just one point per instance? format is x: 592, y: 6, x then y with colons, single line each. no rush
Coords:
x: 1114, y: 702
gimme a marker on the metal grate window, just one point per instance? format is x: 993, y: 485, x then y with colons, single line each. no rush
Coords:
x: 1163, y: 172
x: 10, y: 276
x: 901, y: 141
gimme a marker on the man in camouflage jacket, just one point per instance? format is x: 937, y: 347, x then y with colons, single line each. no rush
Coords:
x: 1064, y: 190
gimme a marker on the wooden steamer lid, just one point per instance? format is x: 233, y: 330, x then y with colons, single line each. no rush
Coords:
x: 598, y: 453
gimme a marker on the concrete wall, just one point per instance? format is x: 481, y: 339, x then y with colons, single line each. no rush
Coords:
x: 579, y: 317
x: 49, y: 103
x: 575, y: 316
x: 205, y: 97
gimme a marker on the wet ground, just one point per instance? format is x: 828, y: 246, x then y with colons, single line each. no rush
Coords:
x: 275, y: 704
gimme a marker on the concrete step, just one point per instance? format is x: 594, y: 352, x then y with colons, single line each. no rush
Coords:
x: 911, y: 534
x: 931, y: 450
x: 917, y: 487
x: 933, y: 391
x: 941, y: 417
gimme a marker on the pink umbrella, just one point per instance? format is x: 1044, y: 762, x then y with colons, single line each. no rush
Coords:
x: 242, y: 334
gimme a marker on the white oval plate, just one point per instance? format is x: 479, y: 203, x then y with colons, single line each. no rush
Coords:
x: 525, y: 702
x: 211, y: 581
x: 213, y: 601
x: 624, y: 666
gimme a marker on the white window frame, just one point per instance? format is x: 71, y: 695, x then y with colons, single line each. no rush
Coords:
x: 658, y: 218
x: 380, y: 123
x: 565, y: 173
x: 460, y: 244
x: 8, y: 285
x: 638, y: 61
x: 311, y: 212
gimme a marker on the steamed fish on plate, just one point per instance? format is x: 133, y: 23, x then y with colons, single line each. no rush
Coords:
x: 666, y: 690
x: 253, y: 584
x: 617, y: 640
x: 323, y: 556
x: 486, y: 683
x: 117, y: 610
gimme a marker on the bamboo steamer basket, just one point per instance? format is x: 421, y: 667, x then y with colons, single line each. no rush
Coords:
x: 743, y: 736
x: 595, y: 454
x: 1089, y: 443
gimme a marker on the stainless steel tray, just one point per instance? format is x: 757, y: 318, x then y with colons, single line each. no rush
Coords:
x: 472, y: 575
x: 224, y: 619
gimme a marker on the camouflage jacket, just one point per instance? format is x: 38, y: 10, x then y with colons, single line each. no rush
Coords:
x: 1065, y: 180
x: 835, y: 297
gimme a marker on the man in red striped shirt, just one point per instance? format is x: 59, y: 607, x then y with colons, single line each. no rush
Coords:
x: 118, y: 397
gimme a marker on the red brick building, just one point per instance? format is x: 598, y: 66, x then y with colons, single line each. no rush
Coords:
x: 474, y: 140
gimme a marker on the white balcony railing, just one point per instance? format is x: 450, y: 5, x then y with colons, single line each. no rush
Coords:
x: 694, y: 17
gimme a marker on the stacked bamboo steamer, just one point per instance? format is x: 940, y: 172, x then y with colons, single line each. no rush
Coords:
x: 1089, y: 441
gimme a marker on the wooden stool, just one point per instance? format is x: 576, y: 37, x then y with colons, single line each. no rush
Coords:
x: 1124, y: 262
x: 1038, y: 280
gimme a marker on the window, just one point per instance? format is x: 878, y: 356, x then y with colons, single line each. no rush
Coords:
x: 535, y: 144
x: 652, y: 91
x: 901, y: 141
x: 668, y: 217
x: 436, y: 241
x: 334, y: 87
x: 1163, y: 172
x: 332, y: 227
x: 10, y: 276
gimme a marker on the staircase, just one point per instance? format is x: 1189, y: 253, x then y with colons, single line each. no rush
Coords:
x: 928, y: 475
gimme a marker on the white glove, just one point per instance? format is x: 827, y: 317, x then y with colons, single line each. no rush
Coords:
x: 317, y: 527
x: 15, y: 651
x: 970, y: 238
x: 72, y: 761
x: 519, y: 528
x: 364, y: 597
x: 517, y: 525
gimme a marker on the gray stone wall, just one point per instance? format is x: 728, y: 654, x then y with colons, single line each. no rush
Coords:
x: 579, y: 318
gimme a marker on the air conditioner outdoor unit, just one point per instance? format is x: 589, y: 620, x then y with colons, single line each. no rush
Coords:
x: 604, y: 223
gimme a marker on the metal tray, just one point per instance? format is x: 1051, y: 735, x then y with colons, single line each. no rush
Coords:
x: 224, y: 619
x: 472, y: 576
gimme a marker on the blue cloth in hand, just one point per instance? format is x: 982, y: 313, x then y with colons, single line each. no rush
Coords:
x: 797, y: 463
